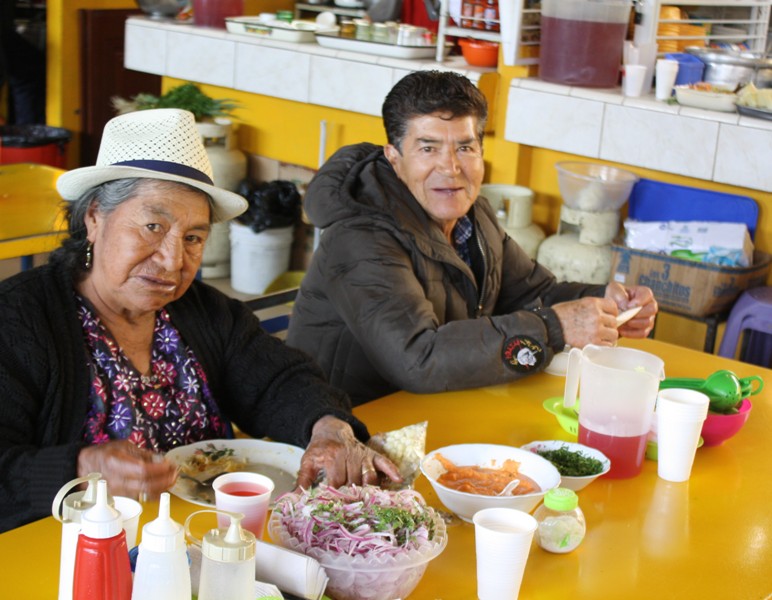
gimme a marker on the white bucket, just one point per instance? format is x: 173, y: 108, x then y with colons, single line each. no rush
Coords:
x: 258, y: 258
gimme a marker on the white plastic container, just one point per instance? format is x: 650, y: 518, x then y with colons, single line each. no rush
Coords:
x: 162, y: 571
x: 258, y: 258
x: 227, y: 560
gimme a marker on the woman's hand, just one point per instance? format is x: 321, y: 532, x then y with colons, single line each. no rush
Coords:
x: 335, y: 450
x: 128, y: 470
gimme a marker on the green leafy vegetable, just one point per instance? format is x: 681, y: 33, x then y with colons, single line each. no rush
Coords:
x: 572, y: 464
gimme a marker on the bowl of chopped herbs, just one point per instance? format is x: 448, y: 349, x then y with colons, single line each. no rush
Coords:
x: 578, y: 465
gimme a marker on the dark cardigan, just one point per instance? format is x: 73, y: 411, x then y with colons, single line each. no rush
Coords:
x: 264, y: 387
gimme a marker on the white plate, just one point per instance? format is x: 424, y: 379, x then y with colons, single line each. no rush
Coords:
x: 377, y: 48
x: 349, y: 3
x: 719, y: 101
x: 280, y: 462
x: 297, y: 31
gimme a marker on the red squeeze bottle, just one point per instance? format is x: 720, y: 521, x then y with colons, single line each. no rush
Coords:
x: 102, y: 569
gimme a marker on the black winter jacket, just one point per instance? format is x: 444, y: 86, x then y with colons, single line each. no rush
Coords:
x: 387, y: 303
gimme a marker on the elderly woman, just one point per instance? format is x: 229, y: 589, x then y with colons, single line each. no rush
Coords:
x: 112, y: 353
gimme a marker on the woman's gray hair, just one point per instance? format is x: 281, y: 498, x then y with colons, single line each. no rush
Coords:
x: 106, y: 197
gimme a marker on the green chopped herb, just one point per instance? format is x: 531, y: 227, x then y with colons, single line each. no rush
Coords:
x: 572, y: 464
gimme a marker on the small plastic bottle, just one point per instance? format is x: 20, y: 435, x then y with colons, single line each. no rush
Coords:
x: 561, y: 522
x: 102, y: 568
x: 227, y: 561
x: 162, y: 572
x: 68, y: 508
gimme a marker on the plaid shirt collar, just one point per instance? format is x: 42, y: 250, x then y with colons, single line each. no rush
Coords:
x: 462, y: 233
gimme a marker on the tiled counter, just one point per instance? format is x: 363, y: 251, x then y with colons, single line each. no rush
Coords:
x: 709, y: 145
x: 251, y: 63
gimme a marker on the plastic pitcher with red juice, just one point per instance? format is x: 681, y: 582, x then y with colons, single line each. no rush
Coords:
x: 581, y: 41
x: 617, y: 390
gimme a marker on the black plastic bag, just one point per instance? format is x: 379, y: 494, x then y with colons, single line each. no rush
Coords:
x: 272, y: 204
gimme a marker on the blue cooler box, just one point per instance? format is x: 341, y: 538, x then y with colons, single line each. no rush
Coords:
x: 690, y: 68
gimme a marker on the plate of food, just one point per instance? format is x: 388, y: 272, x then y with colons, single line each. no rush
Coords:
x: 709, y: 96
x: 755, y: 102
x: 204, y: 460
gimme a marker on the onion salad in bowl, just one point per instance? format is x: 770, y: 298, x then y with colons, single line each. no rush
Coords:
x: 373, y: 543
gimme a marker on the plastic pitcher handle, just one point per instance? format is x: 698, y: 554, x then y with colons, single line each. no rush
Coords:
x: 56, y: 507
x: 572, y: 377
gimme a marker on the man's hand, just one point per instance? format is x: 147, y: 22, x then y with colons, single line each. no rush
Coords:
x: 641, y: 325
x: 335, y: 450
x: 588, y: 321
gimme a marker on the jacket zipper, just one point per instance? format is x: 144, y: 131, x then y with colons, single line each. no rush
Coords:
x: 485, y: 274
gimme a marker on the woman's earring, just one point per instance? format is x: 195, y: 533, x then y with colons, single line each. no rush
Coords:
x: 89, y: 256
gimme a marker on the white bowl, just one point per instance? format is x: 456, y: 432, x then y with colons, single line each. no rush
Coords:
x: 464, y: 504
x: 722, y: 101
x: 567, y: 481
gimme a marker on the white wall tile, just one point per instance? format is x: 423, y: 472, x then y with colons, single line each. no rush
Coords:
x: 557, y: 122
x: 666, y: 142
x: 744, y: 157
x: 273, y: 72
x: 209, y: 60
x: 145, y: 49
x: 354, y: 86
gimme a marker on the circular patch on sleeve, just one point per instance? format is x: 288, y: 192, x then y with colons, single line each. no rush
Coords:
x: 522, y: 354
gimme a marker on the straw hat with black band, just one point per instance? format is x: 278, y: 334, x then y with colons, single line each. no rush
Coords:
x: 161, y: 143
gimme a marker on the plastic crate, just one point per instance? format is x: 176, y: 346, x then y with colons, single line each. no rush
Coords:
x: 690, y: 68
x: 658, y: 201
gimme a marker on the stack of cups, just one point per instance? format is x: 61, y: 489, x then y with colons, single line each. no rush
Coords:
x: 680, y: 415
x: 503, y: 541
x: 633, y: 80
x: 666, y: 73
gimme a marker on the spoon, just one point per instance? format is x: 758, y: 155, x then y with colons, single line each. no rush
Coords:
x: 204, y: 489
x: 509, y: 487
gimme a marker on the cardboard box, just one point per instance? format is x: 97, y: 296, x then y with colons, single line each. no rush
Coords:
x: 685, y: 286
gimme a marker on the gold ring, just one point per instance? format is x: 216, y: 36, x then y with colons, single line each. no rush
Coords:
x: 368, y: 470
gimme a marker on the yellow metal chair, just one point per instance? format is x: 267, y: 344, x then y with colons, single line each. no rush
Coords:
x: 31, y: 211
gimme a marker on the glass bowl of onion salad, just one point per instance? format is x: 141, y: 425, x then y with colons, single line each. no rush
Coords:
x: 372, y: 543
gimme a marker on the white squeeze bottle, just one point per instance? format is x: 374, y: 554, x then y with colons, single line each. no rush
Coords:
x: 227, y: 561
x: 162, y: 571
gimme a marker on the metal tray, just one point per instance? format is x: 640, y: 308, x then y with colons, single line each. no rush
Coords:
x: 331, y: 40
x: 758, y: 113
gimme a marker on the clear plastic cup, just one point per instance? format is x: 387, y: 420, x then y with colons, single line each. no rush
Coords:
x: 246, y: 493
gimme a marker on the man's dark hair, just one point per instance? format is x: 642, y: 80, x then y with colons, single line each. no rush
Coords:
x: 427, y: 92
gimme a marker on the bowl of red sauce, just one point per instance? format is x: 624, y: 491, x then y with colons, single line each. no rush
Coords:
x: 469, y: 477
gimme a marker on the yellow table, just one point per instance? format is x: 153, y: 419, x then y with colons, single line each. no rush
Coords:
x: 31, y: 217
x: 708, y: 538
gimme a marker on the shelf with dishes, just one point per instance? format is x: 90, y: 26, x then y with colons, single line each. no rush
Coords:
x: 740, y: 25
x: 516, y: 25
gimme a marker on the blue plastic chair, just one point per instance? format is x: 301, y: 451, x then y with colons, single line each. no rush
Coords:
x: 752, y: 315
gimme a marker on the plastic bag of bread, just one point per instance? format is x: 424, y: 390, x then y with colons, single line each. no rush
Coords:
x: 405, y: 447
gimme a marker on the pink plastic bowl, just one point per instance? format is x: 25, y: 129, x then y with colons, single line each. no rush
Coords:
x: 719, y: 428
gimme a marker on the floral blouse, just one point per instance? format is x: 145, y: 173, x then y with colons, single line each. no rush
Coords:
x: 170, y: 408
